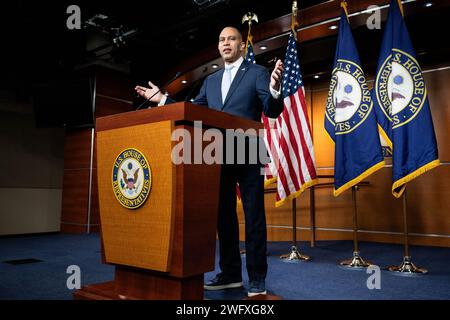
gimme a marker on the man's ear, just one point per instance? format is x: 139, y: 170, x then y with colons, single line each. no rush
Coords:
x: 242, y: 46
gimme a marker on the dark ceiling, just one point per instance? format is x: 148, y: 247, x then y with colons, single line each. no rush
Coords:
x: 155, y: 34
x: 147, y: 38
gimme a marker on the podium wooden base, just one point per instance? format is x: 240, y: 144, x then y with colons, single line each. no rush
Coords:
x: 135, y: 284
x: 162, y: 249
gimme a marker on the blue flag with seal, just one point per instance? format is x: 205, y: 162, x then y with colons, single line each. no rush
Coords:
x: 349, y: 117
x: 401, y: 104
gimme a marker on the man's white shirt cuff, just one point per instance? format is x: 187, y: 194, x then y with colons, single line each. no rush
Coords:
x: 163, y: 100
x: 275, y: 94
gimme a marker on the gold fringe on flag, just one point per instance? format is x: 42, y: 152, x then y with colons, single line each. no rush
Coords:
x: 400, y: 5
x: 344, y: 6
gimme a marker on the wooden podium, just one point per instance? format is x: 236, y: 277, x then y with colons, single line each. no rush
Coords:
x: 161, y: 249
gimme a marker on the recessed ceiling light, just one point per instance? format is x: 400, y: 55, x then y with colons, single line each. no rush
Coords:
x: 183, y: 81
x: 316, y: 76
x: 214, y: 66
x: 428, y: 4
x: 263, y: 47
x: 166, y: 94
x: 192, y: 100
x: 333, y: 27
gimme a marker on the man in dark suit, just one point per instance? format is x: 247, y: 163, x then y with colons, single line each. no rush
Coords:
x: 245, y: 90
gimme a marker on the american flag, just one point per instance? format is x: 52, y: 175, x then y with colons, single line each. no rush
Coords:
x: 295, y: 152
x: 250, y: 56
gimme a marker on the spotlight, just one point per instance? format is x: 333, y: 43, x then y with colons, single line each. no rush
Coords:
x: 333, y: 27
x: 183, y: 81
x: 263, y: 47
x: 214, y: 66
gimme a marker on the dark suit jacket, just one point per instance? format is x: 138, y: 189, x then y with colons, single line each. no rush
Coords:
x: 248, y: 96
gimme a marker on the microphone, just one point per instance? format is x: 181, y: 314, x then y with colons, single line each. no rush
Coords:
x: 163, y: 87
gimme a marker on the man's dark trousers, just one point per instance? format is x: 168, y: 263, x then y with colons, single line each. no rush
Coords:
x: 251, y: 184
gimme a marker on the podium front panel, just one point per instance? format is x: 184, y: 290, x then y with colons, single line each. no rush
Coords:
x: 137, y: 231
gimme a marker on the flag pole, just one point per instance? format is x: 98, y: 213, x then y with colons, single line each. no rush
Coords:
x: 247, y: 18
x: 295, y: 255
x: 407, y: 268
x: 294, y: 21
x: 312, y: 215
x: 356, y: 262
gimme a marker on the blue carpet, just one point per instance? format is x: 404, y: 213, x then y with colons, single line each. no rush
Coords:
x: 319, y: 279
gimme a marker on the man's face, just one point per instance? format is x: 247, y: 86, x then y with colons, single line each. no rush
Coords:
x: 230, y: 45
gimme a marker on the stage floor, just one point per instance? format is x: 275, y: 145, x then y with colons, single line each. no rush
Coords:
x: 319, y: 279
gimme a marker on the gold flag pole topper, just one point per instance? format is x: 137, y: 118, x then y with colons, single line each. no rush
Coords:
x: 294, y: 23
x: 249, y: 17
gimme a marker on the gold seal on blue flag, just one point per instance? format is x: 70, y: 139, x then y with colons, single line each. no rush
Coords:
x: 401, y: 105
x: 349, y: 117
x: 349, y: 100
x: 400, y: 88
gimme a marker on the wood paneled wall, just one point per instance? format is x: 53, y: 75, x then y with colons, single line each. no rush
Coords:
x: 77, y: 153
x: 80, y: 211
x: 380, y: 216
x: 379, y: 213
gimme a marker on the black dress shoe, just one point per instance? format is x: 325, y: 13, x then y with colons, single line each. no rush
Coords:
x: 221, y: 282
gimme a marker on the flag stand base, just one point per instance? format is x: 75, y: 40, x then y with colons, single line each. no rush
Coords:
x: 294, y: 256
x: 407, y: 268
x: 355, y: 263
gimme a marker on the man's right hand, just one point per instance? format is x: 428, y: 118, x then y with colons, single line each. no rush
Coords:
x: 151, y: 92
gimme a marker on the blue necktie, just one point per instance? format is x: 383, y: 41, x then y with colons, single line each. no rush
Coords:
x: 226, y: 82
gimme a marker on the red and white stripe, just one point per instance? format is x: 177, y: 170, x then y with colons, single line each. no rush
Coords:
x: 271, y: 141
x: 295, y: 152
